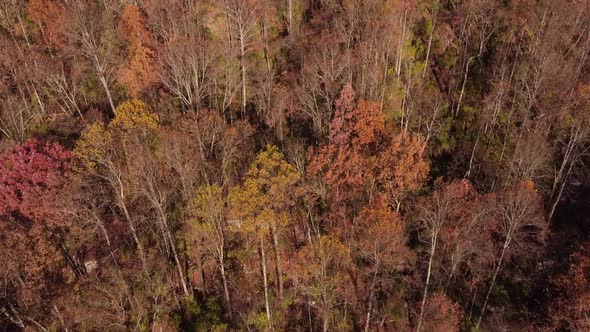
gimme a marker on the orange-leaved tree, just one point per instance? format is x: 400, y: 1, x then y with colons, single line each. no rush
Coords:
x: 364, y: 157
x: 140, y: 70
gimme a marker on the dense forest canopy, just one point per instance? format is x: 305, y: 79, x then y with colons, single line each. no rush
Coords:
x: 294, y: 165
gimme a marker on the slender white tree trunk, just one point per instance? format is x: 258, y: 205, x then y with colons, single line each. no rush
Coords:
x: 131, y: 225
x: 174, y: 253
x: 265, y: 283
x: 371, y: 295
x: 559, y: 194
x: 290, y: 10
x: 224, y: 280
x: 401, y: 47
x: 432, y: 251
x: 430, y: 40
x: 463, y: 85
x: 468, y: 173
x: 243, y: 72
x: 279, y: 271
x: 493, y: 282
x: 103, y: 80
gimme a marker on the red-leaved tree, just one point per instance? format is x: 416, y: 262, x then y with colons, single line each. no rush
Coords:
x: 33, y: 228
x: 29, y: 176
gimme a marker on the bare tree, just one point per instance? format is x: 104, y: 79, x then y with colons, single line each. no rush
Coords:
x: 225, y: 81
x: 242, y: 17
x: 208, y: 207
x: 520, y: 226
x: 95, y: 43
x: 574, y: 148
x: 322, y: 76
x: 485, y: 28
x: 433, y: 215
x: 530, y: 159
x: 187, y: 59
x: 155, y: 184
x: 65, y: 93
x: 18, y: 117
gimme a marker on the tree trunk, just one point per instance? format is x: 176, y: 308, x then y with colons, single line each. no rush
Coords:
x: 432, y: 250
x: 472, y: 302
x: 243, y: 73
x: 309, y: 316
x: 162, y: 228
x: 290, y: 10
x: 398, y: 68
x: 468, y: 173
x: 175, y: 254
x: 492, y: 283
x: 69, y: 259
x: 224, y: 280
x: 131, y: 225
x: 566, y: 159
x: 325, y: 317
x: 275, y: 242
x: 430, y: 40
x: 559, y: 194
x: 196, y: 95
x: 102, y: 228
x: 265, y: 283
x: 108, y: 91
x: 383, y: 88
x: 454, y: 264
x: 104, y: 82
x: 371, y: 295
x: 201, y: 271
x: 570, y: 158
x: 60, y: 318
x: 463, y: 85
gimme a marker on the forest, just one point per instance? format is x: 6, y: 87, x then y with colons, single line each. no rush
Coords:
x: 294, y: 165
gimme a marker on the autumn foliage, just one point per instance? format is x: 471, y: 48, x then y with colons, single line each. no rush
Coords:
x: 572, y: 291
x: 140, y: 70
x: 291, y: 165
x: 33, y: 177
x: 30, y: 175
x: 361, y: 153
x: 52, y: 19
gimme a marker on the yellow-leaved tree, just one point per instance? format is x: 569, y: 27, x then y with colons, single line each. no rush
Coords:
x: 263, y: 204
x: 133, y: 114
x: 102, y: 152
